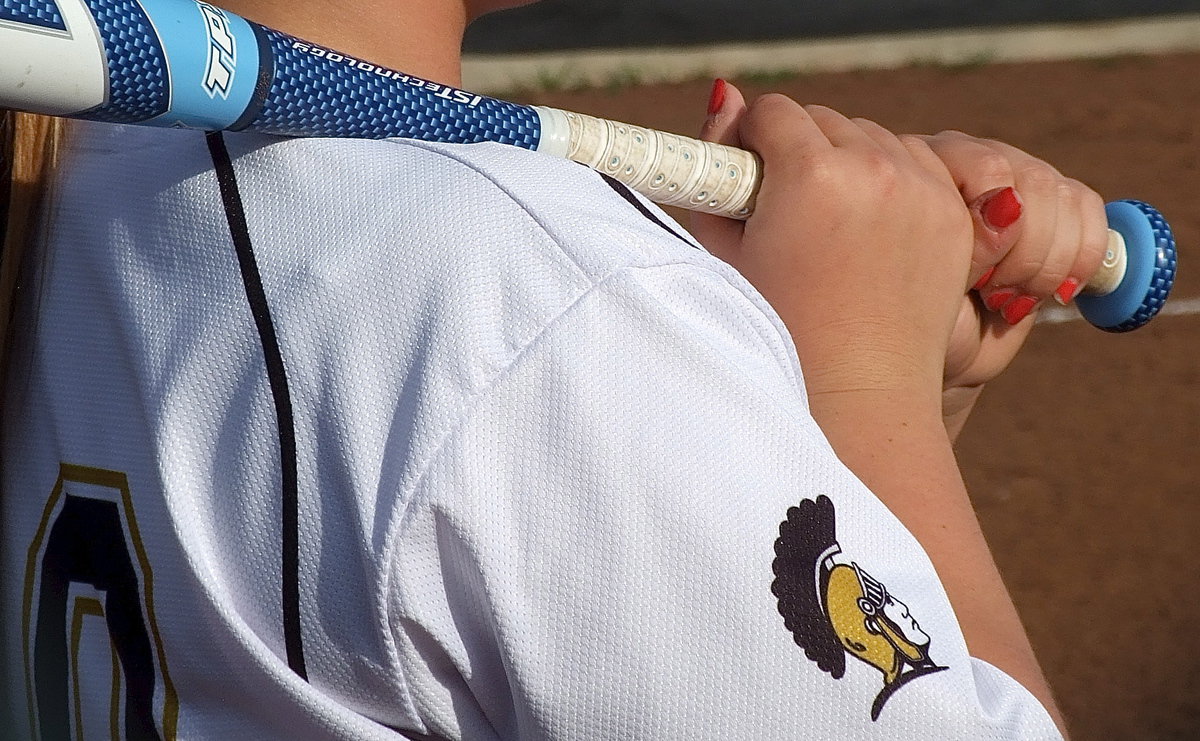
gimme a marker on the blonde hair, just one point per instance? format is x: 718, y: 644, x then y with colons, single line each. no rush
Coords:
x: 29, y: 146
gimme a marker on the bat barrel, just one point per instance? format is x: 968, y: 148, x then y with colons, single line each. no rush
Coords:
x: 158, y: 62
x: 1149, y: 273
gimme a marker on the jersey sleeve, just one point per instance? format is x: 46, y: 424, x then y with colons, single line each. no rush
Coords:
x: 640, y: 532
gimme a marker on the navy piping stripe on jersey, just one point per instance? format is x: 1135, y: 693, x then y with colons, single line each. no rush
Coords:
x: 256, y: 295
x: 235, y: 213
x: 625, y: 193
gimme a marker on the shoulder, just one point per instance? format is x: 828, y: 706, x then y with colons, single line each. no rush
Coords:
x: 491, y: 189
x: 470, y: 202
x: 489, y: 236
x: 410, y: 241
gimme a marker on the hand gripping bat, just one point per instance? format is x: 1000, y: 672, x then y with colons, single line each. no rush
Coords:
x: 188, y: 63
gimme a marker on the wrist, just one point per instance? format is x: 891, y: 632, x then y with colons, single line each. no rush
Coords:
x: 840, y: 365
x: 875, y: 431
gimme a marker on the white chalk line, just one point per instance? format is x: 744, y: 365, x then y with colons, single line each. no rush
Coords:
x: 1173, y: 307
x: 497, y: 73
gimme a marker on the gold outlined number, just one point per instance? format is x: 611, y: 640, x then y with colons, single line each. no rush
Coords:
x: 89, y: 591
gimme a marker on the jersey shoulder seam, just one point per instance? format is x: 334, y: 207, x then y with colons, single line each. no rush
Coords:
x: 451, y: 153
x: 402, y: 505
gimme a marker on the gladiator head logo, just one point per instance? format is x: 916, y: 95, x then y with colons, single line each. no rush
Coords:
x: 835, y: 608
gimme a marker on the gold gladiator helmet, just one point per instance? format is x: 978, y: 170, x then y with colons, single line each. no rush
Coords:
x: 871, y: 624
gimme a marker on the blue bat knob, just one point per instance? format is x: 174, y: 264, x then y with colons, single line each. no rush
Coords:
x: 1149, y: 273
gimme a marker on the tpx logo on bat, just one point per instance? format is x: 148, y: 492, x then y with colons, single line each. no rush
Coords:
x: 158, y: 62
x: 51, y: 21
x: 222, y: 52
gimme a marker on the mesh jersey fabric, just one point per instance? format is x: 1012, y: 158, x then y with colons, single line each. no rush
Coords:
x: 555, y: 473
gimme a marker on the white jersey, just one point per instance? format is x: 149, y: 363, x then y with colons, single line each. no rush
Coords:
x: 381, y: 440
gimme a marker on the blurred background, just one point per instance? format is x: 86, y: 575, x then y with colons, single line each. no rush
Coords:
x: 1084, y: 458
x: 576, y: 24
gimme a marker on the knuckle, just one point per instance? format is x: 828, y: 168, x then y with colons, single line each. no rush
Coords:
x: 821, y: 173
x: 993, y: 164
x: 765, y: 125
x: 761, y: 109
x: 881, y: 166
x: 1070, y: 193
x: 775, y: 100
x: 949, y: 140
x: 767, y: 107
x: 1092, y: 203
x: 920, y: 149
x: 1037, y: 178
x: 883, y: 178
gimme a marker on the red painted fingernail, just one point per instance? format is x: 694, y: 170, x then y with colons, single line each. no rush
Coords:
x: 717, y: 99
x: 995, y: 300
x: 983, y: 279
x: 1067, y: 291
x: 1019, y: 308
x: 1001, y: 209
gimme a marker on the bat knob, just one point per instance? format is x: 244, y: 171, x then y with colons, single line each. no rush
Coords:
x: 1149, y: 272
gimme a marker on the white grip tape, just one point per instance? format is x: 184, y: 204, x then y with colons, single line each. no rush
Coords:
x: 668, y: 169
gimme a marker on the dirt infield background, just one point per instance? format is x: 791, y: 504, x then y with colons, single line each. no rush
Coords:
x: 1084, y: 459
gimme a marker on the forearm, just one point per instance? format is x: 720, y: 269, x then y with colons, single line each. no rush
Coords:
x: 903, y: 454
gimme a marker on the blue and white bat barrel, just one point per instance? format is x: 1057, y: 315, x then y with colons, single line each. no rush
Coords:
x: 188, y: 63
x: 168, y: 63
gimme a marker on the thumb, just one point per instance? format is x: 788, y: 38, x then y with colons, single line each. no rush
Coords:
x: 997, y: 217
x: 726, y: 106
x: 983, y: 172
